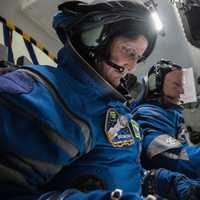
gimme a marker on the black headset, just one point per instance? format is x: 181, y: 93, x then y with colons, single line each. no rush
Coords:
x: 157, y: 73
x: 90, y: 28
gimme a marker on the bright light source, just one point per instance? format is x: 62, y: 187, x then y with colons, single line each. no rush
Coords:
x: 157, y: 21
x: 177, y: 1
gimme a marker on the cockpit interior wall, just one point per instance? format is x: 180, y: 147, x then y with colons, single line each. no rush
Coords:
x: 21, y: 44
x: 190, y: 12
x: 173, y: 45
x: 20, y: 41
x: 32, y: 17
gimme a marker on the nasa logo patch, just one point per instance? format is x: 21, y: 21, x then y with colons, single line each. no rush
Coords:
x: 117, y: 129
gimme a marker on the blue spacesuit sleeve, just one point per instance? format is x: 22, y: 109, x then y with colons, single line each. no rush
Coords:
x: 159, y: 129
x: 15, y: 83
x: 174, y: 185
x: 30, y: 114
x: 170, y: 185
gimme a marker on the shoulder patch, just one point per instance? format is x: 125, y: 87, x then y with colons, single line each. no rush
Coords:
x: 117, y: 129
x: 16, y: 83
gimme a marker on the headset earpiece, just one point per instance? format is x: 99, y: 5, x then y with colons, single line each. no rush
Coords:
x: 157, y: 75
x: 152, y: 82
x: 90, y: 37
x: 155, y: 79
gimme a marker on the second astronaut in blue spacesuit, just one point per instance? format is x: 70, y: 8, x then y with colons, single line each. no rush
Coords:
x: 161, y: 120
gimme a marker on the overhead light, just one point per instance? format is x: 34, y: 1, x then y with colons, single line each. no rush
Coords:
x: 176, y: 1
x: 157, y: 21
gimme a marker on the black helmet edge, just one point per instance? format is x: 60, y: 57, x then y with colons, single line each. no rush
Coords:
x: 156, y: 76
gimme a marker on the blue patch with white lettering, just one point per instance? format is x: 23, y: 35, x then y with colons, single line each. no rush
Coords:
x: 117, y: 129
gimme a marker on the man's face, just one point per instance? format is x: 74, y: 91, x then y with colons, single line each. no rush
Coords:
x: 173, y: 86
x: 125, y: 52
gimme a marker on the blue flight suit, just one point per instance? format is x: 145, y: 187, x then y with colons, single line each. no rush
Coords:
x: 64, y: 116
x: 164, y: 143
x: 36, y: 147
x: 171, y: 185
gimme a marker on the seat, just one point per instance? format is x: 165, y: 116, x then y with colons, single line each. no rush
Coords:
x: 23, y: 60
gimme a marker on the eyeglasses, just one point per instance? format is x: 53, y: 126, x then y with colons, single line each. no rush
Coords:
x: 129, y: 52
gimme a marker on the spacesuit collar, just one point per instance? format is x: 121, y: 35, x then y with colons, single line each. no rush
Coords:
x: 82, y: 71
x: 161, y: 103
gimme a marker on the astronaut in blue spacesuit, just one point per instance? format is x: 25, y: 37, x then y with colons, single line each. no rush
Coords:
x: 57, y: 124
x: 161, y: 119
x: 55, y: 117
